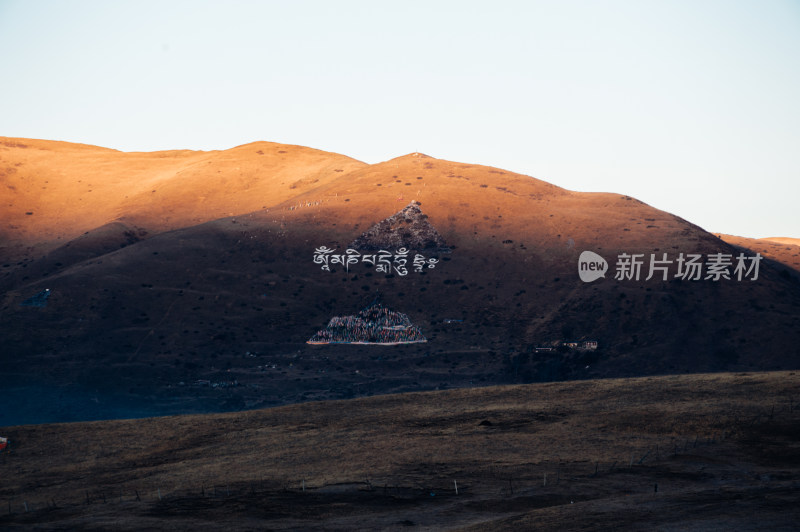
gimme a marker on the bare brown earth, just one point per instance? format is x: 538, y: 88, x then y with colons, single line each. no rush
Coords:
x: 784, y: 250
x: 696, y: 452
x: 783, y: 240
x: 200, y: 296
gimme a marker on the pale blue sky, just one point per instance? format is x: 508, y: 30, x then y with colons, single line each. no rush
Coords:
x: 692, y: 107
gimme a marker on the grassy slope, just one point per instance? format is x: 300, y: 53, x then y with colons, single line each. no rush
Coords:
x: 783, y: 250
x: 55, y: 191
x: 387, y: 461
x: 125, y: 326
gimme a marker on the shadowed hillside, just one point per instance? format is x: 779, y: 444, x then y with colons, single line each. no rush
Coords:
x: 170, y: 304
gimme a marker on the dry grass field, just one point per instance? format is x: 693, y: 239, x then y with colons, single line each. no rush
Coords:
x: 694, y: 452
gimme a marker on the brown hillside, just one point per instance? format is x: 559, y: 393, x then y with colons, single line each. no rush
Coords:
x: 215, y: 316
x: 52, y: 192
x: 783, y: 240
x: 483, y: 204
x: 784, y: 250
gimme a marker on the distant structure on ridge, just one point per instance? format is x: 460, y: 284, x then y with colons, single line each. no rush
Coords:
x: 408, y: 228
x: 374, y: 324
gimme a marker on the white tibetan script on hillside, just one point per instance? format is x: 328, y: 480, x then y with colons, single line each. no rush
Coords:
x: 384, y: 261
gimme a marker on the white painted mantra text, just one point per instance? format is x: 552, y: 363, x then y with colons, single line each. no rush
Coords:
x: 384, y: 261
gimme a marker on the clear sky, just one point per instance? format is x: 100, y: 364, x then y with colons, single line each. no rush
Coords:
x: 691, y: 106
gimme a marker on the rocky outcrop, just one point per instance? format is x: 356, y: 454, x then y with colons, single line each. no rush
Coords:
x: 408, y: 229
x: 375, y: 324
